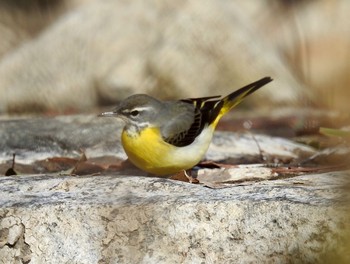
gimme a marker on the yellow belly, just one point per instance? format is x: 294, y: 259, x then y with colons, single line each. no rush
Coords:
x: 150, y: 153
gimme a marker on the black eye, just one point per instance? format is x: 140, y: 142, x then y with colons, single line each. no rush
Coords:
x: 134, y: 113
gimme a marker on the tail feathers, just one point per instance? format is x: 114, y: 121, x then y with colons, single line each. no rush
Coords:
x: 236, y: 97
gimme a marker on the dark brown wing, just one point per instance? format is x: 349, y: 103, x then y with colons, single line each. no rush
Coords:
x: 205, y: 112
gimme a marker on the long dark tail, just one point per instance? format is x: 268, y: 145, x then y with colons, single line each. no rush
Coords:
x: 233, y: 99
x: 236, y: 97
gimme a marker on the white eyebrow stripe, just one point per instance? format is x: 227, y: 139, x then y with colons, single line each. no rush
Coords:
x: 140, y: 109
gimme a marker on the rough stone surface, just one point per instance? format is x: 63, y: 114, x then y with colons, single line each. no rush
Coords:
x: 39, y: 138
x: 110, y: 219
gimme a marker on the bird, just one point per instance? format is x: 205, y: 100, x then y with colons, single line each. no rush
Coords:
x: 166, y: 137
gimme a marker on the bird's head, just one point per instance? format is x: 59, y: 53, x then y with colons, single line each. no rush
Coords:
x: 138, y: 110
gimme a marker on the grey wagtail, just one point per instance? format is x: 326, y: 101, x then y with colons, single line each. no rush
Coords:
x: 167, y: 137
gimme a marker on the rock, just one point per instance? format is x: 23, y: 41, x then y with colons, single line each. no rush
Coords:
x: 119, y: 219
x: 113, y: 218
x: 69, y: 136
x: 39, y: 138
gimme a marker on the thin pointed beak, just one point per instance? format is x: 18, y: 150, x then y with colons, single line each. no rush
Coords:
x: 108, y: 114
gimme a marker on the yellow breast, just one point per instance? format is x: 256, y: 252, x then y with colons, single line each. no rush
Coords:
x: 149, y: 152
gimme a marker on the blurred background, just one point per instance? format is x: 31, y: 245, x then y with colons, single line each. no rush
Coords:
x: 73, y: 56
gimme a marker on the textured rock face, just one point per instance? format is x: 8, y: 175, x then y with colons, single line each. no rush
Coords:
x: 39, y: 138
x: 110, y: 218
x: 117, y: 219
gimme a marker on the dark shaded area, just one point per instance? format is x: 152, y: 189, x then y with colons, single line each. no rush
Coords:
x: 54, y: 135
x: 31, y: 5
x: 69, y: 142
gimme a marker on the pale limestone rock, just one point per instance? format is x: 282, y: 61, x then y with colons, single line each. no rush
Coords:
x: 128, y: 219
x: 118, y: 219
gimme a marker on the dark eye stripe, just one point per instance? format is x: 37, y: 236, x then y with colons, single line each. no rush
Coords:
x: 134, y: 113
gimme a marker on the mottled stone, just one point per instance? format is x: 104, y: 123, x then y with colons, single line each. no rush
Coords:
x: 109, y: 218
x: 39, y: 138
x: 120, y: 219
